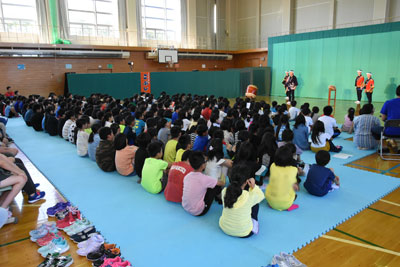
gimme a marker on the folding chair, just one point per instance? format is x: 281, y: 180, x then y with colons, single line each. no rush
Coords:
x: 391, y: 124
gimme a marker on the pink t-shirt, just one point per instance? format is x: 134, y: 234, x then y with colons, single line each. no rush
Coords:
x: 347, y: 122
x: 124, y: 159
x: 195, y: 187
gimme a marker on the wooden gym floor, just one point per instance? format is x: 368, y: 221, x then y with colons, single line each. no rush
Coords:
x: 370, y: 238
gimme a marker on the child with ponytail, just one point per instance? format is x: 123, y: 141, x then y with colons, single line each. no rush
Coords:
x: 241, y: 203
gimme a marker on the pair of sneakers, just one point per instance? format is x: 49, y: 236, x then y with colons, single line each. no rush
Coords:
x: 69, y: 219
x: 60, y: 206
x: 77, y: 226
x: 56, y: 260
x: 47, y: 238
x: 105, y: 251
x: 90, y: 245
x: 58, y: 245
x: 42, y: 231
x: 84, y: 234
x: 115, y: 262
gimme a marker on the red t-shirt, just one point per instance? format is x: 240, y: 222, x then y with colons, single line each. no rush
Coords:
x: 174, y: 190
x: 206, y: 113
x: 10, y: 93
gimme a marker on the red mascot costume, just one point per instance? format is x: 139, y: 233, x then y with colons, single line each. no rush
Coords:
x: 251, y: 91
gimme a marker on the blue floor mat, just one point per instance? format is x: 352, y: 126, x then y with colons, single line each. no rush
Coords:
x: 153, y: 232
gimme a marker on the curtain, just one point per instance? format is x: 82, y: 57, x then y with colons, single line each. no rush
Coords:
x: 123, y: 24
x: 41, y: 10
x: 63, y: 25
x: 139, y: 22
x: 184, y: 18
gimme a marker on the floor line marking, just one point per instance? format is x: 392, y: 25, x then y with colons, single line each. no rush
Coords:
x: 390, y: 202
x: 358, y: 238
x: 384, y: 212
x: 13, y: 242
x: 361, y: 245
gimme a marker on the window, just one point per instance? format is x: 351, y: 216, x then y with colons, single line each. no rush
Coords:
x: 161, y: 20
x: 18, y: 16
x: 93, y: 18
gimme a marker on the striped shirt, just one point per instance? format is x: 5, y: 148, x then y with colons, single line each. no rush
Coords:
x: 362, y: 131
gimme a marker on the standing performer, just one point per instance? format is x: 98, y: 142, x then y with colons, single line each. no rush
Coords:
x: 359, y: 83
x: 292, y: 84
x: 369, y: 87
x: 285, y: 84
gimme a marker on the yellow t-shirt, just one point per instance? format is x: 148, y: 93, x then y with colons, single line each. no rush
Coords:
x: 179, y: 154
x: 236, y: 221
x: 170, y: 151
x: 280, y: 193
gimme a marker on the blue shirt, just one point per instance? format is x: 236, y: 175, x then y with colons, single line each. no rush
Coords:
x: 7, y: 111
x: 200, y: 143
x: 28, y: 115
x: 174, y: 117
x: 93, y: 146
x: 44, y: 117
x: 139, y: 126
x: 391, y: 109
x: 319, y: 180
x: 301, y: 137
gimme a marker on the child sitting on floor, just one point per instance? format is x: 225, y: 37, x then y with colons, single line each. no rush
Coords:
x: 199, y: 190
x: 240, y: 201
x: 94, y: 140
x: 183, y: 145
x: 348, y: 124
x: 321, y: 180
x: 329, y: 121
x: 174, y: 189
x: 320, y: 140
x: 170, y: 147
x: 124, y: 155
x: 280, y: 192
x: 154, y: 175
x: 105, y: 152
x: 82, y: 140
x: 143, y: 140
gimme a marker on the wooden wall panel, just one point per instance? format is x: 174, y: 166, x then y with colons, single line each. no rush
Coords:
x: 45, y: 75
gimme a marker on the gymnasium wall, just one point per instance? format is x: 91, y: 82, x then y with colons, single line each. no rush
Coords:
x: 45, y: 75
x: 230, y: 83
x: 333, y: 57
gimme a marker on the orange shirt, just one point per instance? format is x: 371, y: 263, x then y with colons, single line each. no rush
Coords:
x: 369, y: 86
x: 360, y: 81
x: 124, y: 159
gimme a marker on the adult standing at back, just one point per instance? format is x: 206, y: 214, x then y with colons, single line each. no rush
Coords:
x: 292, y: 84
x: 359, y: 84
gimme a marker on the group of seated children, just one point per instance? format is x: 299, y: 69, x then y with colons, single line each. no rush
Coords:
x: 191, y: 147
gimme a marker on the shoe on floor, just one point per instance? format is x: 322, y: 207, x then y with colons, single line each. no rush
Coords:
x: 83, y: 235
x: 91, y: 245
x: 56, y: 208
x: 49, y: 260
x: 42, y: 230
x: 36, y: 197
x: 47, y: 239
x: 94, y: 238
x: 58, y: 245
x: 63, y: 261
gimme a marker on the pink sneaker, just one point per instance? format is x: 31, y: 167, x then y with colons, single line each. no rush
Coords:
x: 293, y: 207
x: 121, y: 264
x: 47, y: 239
x: 111, y: 261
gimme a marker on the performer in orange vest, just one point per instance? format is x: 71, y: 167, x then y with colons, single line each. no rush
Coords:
x: 369, y: 87
x: 359, y: 85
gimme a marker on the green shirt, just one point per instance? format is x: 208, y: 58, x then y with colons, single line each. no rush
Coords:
x: 152, y: 173
x: 170, y: 151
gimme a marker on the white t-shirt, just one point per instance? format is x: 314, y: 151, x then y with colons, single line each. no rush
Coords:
x: 329, y: 124
x: 322, y: 138
x: 82, y: 143
x: 66, y: 128
x: 309, y: 123
x: 293, y: 111
x: 222, y: 115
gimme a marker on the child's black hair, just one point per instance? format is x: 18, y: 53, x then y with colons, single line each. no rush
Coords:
x: 299, y: 120
x: 293, y: 103
x: 114, y: 128
x: 287, y: 135
x: 95, y: 129
x: 196, y: 159
x: 186, y: 155
x: 315, y: 110
x: 183, y: 142
x: 350, y: 113
x: 104, y: 132
x: 322, y: 157
x: 143, y: 139
x: 240, y: 174
x: 215, y: 149
x: 154, y: 148
x: 79, y: 123
x: 318, y: 128
x: 120, y: 141
x: 175, y: 131
x: 201, y: 129
x: 284, y: 156
x: 328, y: 110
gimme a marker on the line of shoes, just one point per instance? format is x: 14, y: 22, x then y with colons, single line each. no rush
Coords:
x: 91, y: 243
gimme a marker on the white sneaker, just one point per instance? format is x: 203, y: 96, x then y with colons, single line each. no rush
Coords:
x: 357, y: 102
x: 255, y: 227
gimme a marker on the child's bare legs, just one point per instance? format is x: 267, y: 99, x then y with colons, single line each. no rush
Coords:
x: 17, y: 182
x: 9, y: 150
